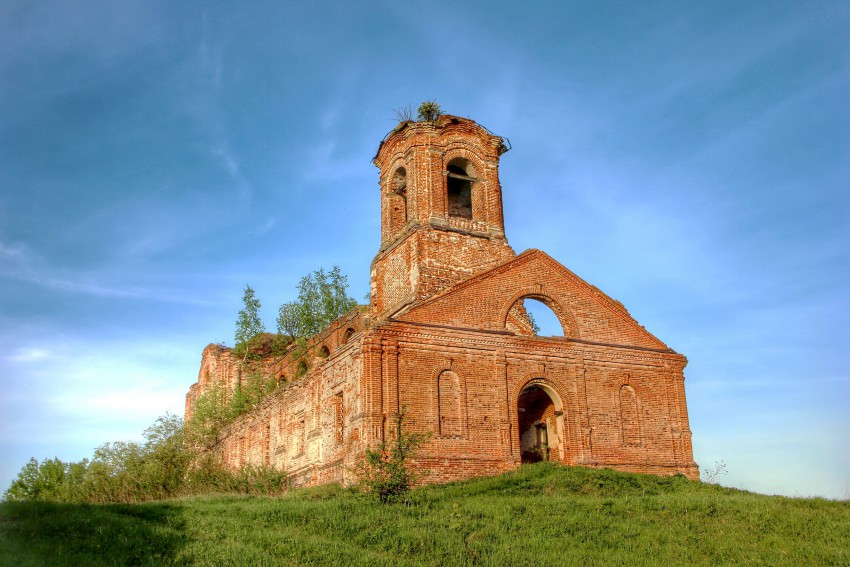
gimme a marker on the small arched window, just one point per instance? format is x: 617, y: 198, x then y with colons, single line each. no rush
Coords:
x: 399, y: 182
x: 459, y: 182
x: 448, y: 394
x: 302, y: 368
x: 629, y: 416
x: 397, y: 200
x: 349, y: 332
x: 324, y: 352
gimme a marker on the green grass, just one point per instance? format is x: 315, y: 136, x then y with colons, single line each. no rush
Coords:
x: 538, y: 515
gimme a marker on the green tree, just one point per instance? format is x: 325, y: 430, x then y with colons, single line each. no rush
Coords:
x: 248, y: 325
x: 38, y: 481
x: 322, y: 298
x: 289, y: 320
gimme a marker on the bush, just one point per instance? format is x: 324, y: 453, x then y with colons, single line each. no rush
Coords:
x: 385, y: 471
x: 429, y: 111
x: 208, y: 475
x: 126, y: 472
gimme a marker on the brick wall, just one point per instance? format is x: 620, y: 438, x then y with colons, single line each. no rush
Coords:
x: 446, y: 339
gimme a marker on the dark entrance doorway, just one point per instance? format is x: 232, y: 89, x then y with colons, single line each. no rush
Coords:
x: 538, y: 425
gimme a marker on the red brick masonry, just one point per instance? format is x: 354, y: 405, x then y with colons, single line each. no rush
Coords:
x: 447, y: 338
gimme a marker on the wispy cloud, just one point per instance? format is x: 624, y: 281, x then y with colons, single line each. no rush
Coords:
x: 111, y: 381
x: 27, y: 266
x: 12, y: 252
x: 29, y: 354
x: 210, y: 54
x: 231, y: 166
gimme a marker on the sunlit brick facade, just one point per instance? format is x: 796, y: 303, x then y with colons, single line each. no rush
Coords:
x: 446, y: 337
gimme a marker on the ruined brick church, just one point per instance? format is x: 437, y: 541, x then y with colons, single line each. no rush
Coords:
x: 446, y: 337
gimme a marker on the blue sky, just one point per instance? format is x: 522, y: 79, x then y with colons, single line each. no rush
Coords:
x: 691, y: 159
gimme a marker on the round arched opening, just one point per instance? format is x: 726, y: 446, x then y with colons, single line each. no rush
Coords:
x: 396, y: 201
x: 399, y: 181
x: 324, y: 352
x: 540, y: 424
x: 535, y: 315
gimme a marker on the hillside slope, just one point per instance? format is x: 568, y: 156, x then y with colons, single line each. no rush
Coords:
x: 538, y: 515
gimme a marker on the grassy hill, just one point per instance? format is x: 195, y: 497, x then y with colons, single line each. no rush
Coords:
x: 538, y: 515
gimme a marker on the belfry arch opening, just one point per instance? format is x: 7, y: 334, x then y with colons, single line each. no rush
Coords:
x: 541, y: 424
x: 459, y: 181
x: 397, y: 200
x: 535, y: 316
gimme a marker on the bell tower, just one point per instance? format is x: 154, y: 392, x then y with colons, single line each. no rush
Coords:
x: 441, y: 210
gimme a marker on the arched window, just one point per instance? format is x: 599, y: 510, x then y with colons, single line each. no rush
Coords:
x: 459, y: 182
x: 534, y: 316
x: 629, y: 416
x: 346, y: 336
x: 397, y: 201
x: 281, y: 379
x: 543, y: 320
x: 448, y: 394
x: 324, y: 352
x: 339, y: 419
x: 302, y: 368
x: 399, y: 182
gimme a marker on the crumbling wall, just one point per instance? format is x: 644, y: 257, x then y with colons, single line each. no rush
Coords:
x: 309, y: 427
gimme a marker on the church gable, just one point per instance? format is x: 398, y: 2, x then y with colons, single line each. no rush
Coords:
x: 493, y: 301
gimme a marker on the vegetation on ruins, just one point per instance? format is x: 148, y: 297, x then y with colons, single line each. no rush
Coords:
x: 249, y: 326
x: 406, y: 113
x: 540, y: 514
x: 535, y: 328
x: 386, y: 471
x: 429, y: 111
x: 216, y: 407
x: 161, y: 466
x: 322, y: 298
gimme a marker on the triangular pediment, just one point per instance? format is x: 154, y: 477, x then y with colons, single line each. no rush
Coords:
x: 485, y: 301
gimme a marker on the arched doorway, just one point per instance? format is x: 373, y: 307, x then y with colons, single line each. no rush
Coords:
x: 541, y: 424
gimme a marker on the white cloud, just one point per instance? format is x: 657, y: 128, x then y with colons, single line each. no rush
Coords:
x: 93, y: 391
